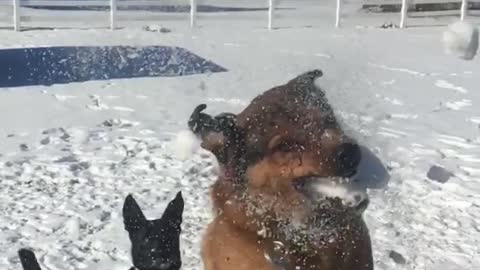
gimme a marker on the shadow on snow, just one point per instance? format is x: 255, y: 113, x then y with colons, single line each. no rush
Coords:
x: 60, y: 65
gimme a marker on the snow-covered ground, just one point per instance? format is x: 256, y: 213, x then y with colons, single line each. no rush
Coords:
x: 71, y: 153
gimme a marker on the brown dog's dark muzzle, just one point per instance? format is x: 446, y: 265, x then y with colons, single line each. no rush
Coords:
x: 347, y: 158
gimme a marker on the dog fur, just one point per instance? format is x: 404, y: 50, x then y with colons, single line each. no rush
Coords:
x: 286, y: 136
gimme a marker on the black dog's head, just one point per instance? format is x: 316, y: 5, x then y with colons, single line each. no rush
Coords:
x: 155, y: 243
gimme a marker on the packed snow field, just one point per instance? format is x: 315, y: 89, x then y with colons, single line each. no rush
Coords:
x: 71, y: 153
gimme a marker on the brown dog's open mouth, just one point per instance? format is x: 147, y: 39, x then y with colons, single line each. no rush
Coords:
x: 318, y: 188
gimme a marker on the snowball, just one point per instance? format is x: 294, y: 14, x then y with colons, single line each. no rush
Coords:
x: 185, y: 144
x: 461, y: 40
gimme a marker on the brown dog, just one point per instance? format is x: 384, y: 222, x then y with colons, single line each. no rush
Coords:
x: 271, y: 155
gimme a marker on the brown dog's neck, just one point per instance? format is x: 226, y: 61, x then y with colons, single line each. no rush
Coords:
x: 255, y: 209
x: 277, y: 215
x: 229, y: 174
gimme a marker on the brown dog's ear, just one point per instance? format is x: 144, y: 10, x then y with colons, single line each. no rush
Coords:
x: 306, y: 78
x: 216, y: 133
x: 199, y: 122
x: 274, y: 142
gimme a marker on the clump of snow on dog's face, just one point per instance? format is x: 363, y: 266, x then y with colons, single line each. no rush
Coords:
x: 184, y: 145
x: 461, y: 40
x: 350, y: 196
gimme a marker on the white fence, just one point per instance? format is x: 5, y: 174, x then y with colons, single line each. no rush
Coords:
x: 114, y: 17
x: 463, y: 12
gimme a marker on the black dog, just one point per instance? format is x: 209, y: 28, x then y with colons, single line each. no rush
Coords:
x: 155, y: 243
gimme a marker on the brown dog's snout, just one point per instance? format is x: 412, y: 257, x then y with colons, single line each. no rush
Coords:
x: 347, y: 158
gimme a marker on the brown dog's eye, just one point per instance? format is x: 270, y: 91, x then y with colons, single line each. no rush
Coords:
x: 279, y: 144
x: 283, y: 147
x: 288, y: 146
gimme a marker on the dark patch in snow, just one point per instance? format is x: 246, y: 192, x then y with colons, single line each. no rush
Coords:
x: 157, y: 29
x: 397, y: 257
x: 202, y: 86
x: 23, y: 147
x: 439, y: 174
x: 80, y: 166
x: 49, y: 131
x: 389, y: 26
x: 116, y: 123
x: 45, y: 141
x: 74, y: 181
x: 110, y: 122
x: 152, y: 166
x: 71, y: 158
x: 104, y: 216
x: 60, y: 65
x: 65, y: 136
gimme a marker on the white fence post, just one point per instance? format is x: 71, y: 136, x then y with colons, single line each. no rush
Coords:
x: 16, y: 15
x: 338, y: 13
x: 464, y: 10
x: 193, y: 13
x: 403, y: 13
x: 113, y: 12
x: 271, y: 8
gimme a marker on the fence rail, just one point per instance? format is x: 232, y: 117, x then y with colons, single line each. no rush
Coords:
x: 112, y: 6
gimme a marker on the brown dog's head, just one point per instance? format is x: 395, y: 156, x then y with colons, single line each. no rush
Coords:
x: 286, y: 133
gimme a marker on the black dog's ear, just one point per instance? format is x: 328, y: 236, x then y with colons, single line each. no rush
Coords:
x: 174, y: 211
x: 28, y: 259
x: 133, y: 217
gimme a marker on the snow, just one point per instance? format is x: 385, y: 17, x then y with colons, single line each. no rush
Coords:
x: 395, y: 90
x: 349, y: 196
x: 185, y: 144
x: 461, y: 39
